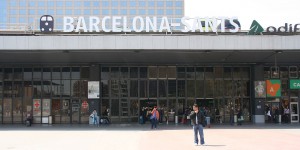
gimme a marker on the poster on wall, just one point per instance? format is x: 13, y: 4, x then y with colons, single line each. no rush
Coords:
x: 46, y: 107
x: 36, y: 107
x: 93, y: 89
x: 273, y: 88
x: 260, y: 89
x: 294, y: 84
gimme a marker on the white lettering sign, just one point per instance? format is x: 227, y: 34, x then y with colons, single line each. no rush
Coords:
x: 147, y: 24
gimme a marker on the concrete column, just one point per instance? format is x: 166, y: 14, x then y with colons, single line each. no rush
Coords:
x: 258, y: 105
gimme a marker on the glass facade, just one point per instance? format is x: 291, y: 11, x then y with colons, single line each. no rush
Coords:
x: 58, y: 8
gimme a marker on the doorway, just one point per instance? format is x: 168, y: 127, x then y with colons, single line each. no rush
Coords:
x: 294, y: 109
x: 146, y: 106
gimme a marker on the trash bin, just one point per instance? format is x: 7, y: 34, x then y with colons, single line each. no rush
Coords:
x: 208, y: 121
x: 49, y: 119
x: 176, y: 119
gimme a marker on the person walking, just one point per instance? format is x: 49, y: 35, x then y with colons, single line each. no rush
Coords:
x: 95, y: 117
x: 198, y: 120
x: 154, y: 117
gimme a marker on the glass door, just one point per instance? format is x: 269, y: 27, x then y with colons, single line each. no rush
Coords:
x: 294, y: 112
x: 75, y: 111
x: 55, y: 111
x: 65, y: 111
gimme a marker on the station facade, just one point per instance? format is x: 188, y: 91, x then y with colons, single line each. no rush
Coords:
x: 49, y: 75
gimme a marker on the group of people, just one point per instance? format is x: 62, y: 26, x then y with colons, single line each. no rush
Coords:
x: 96, y: 120
x: 273, y: 114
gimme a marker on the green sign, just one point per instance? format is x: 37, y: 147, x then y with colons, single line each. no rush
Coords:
x: 255, y: 28
x: 295, y: 84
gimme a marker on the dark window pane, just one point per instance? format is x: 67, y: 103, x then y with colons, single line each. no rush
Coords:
x: 66, y: 73
x: 171, y: 74
x: 143, y: 89
x: 190, y: 88
x: 18, y: 75
x: 104, y: 73
x: 114, y: 84
x: 37, y: 89
x: 199, y: 88
x: 209, y: 88
x: 236, y: 72
x: 8, y: 89
x: 152, y: 88
x: 200, y: 73
x: 181, y: 88
x: 190, y: 73
x: 143, y: 72
x: 115, y: 107
x: 293, y: 72
x: 228, y: 87
x: 37, y: 74
x: 46, y: 73
x: 66, y: 90
x: 84, y: 88
x: 123, y: 88
x: 56, y: 73
x: 85, y: 73
x: 134, y: 72
x: 18, y: 89
x: 8, y: 74
x: 162, y: 88
x: 219, y: 88
x: 284, y: 72
x: 245, y: 73
x: 134, y: 88
x: 209, y: 73
x: 181, y: 72
x: 172, y: 88
x: 266, y: 72
x: 104, y: 88
x: 124, y: 72
x: 75, y: 73
x: 114, y: 72
x: 56, y: 88
x: 218, y: 72
x: 75, y: 88
x: 105, y: 107
x: 27, y: 74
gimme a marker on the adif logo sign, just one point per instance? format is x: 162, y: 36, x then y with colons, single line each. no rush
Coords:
x: 147, y: 24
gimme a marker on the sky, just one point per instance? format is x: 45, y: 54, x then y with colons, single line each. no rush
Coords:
x: 267, y: 12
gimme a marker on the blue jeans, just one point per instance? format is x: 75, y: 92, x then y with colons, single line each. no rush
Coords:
x: 95, y: 120
x: 198, y: 129
x: 153, y: 123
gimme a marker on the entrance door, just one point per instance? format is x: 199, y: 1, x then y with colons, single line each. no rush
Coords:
x: 75, y: 110
x: 294, y: 110
x: 146, y: 106
x: 65, y: 111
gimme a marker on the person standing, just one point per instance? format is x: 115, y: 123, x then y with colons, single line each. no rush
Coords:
x: 154, y: 117
x: 95, y: 117
x: 231, y: 116
x: 197, y: 121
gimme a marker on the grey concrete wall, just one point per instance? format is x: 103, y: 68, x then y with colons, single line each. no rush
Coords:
x: 151, y: 42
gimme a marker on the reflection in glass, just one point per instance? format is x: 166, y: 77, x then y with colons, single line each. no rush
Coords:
x: 162, y: 72
x: 37, y: 74
x: 55, y: 110
x: 75, y: 88
x: 7, y: 110
x: 124, y: 72
x: 200, y: 73
x: 46, y: 107
x: 123, y: 88
x: 18, y: 76
x: 134, y: 107
x: 104, y: 88
x: 209, y: 72
x: 228, y: 87
x: 219, y: 88
x: 56, y: 73
x: 209, y: 88
x: 114, y: 85
x: 181, y: 72
x: 134, y: 72
x: 46, y: 74
x: 66, y: 90
x: 37, y: 110
x: 114, y: 72
x: 181, y: 106
x: 85, y: 111
x: 190, y: 73
x: 17, y: 110
x: 56, y: 88
x: 66, y: 73
x: 75, y: 74
x: 171, y: 72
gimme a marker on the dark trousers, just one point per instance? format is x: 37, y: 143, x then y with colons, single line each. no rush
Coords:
x: 153, y: 123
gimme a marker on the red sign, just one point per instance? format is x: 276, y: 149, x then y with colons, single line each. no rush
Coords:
x: 85, y: 104
x: 37, y: 104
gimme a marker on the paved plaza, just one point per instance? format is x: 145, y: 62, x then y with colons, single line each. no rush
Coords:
x: 141, y: 137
